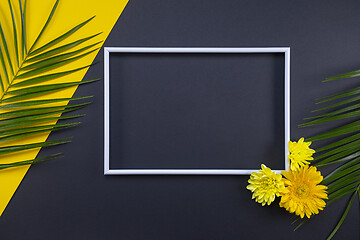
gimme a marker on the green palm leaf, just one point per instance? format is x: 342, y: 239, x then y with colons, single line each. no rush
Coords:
x: 5, y: 47
x: 60, y: 38
x: 46, y: 77
x: 344, y: 152
x: 21, y: 114
x: 60, y: 49
x: 344, y: 215
x: 15, y: 34
x: 27, y: 162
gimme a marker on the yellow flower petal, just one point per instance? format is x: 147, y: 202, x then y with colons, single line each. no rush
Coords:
x: 302, y: 195
x: 265, y: 185
x: 299, y: 154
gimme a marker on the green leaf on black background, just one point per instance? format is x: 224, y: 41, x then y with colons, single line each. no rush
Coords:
x: 344, y: 152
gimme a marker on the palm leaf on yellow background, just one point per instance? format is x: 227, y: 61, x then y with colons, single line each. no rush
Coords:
x: 28, y: 106
x: 68, y: 14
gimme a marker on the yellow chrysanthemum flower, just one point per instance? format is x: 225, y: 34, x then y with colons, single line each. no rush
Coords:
x: 299, y: 154
x: 265, y: 185
x: 302, y: 194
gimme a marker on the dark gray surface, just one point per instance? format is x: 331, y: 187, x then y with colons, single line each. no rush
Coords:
x: 199, y: 111
x: 71, y: 199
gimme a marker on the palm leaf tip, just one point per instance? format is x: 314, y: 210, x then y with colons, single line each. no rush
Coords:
x: 32, y: 161
x: 60, y: 38
x: 60, y: 49
x: 342, y: 219
x: 18, y: 148
x: 44, y: 27
x: 53, y: 60
x: 48, y: 77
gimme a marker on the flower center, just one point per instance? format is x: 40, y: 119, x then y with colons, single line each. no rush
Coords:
x: 302, y: 191
x: 269, y: 183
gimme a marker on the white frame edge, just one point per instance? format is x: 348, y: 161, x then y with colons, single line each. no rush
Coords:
x: 107, y: 50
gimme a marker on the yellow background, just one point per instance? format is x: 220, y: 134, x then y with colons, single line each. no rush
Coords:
x: 69, y: 13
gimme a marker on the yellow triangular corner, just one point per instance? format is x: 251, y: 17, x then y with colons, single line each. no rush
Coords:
x: 68, y: 14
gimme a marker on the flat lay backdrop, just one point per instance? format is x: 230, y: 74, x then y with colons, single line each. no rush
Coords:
x: 70, y: 198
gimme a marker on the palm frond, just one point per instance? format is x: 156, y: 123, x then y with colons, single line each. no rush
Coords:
x: 344, y: 152
x: 342, y: 219
x: 27, y: 162
x: 26, y: 105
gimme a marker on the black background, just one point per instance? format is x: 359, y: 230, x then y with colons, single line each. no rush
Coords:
x: 72, y: 199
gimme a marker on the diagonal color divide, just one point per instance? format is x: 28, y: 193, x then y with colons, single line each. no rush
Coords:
x: 68, y: 14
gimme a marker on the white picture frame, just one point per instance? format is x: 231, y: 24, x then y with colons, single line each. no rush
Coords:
x: 108, y: 50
